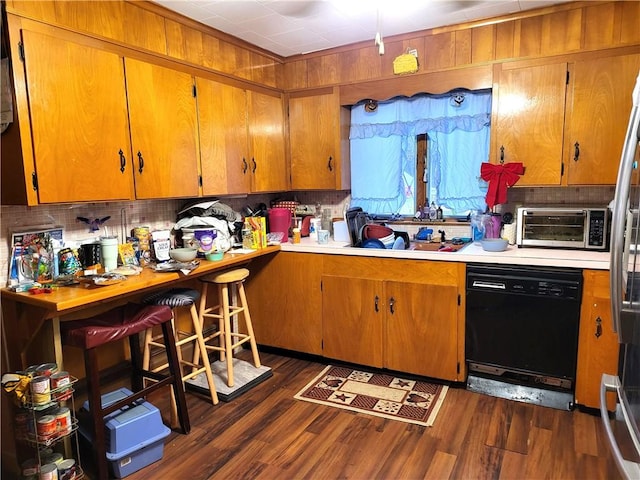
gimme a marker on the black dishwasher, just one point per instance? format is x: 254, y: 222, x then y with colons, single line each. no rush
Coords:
x: 521, y: 339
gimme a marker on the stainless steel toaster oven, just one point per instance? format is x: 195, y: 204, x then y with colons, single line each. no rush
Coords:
x: 563, y: 227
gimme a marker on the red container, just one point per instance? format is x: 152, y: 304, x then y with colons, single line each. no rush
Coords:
x: 280, y: 221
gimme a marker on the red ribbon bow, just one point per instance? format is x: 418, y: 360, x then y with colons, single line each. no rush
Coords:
x: 500, y: 177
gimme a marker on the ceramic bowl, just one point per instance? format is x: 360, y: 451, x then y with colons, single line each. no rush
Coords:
x: 495, y: 244
x: 373, y: 230
x: 214, y: 256
x: 183, y: 254
x: 372, y: 243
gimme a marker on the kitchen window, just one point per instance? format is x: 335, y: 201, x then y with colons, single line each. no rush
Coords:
x: 408, y: 150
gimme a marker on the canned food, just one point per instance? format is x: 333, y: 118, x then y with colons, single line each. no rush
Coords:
x: 47, y: 369
x: 67, y: 469
x: 63, y: 420
x: 46, y: 426
x: 49, y: 471
x: 61, y: 385
x: 30, y: 467
x: 40, y: 390
x: 53, y: 458
x: 30, y: 371
x: 21, y: 422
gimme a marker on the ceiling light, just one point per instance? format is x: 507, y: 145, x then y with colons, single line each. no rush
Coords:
x: 378, y: 40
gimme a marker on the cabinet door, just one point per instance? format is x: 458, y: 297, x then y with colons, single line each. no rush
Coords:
x: 421, y: 329
x: 597, y: 343
x: 222, y: 121
x: 164, y: 137
x: 530, y: 121
x: 597, y: 117
x: 285, y: 301
x: 266, y: 139
x: 78, y: 113
x: 352, y: 311
x: 317, y: 161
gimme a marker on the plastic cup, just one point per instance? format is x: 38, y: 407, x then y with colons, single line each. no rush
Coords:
x: 109, y: 253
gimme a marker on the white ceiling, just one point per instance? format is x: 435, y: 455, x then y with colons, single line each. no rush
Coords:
x: 300, y: 26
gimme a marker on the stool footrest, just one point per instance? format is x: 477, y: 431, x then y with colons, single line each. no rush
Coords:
x: 161, y: 381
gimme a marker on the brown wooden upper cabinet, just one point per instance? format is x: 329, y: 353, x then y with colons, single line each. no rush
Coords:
x: 241, y: 140
x: 597, y: 114
x: 77, y: 110
x: 319, y: 141
x: 528, y: 121
x: 268, y: 164
x: 564, y: 122
x: 164, y: 136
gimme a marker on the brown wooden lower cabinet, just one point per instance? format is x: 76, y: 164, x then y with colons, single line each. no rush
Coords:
x: 404, y: 315
x: 400, y: 314
x: 283, y: 292
x: 597, y: 343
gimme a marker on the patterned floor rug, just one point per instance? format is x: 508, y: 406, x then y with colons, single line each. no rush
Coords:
x: 387, y: 396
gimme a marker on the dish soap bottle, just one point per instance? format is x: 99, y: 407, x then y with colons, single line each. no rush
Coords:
x: 433, y: 211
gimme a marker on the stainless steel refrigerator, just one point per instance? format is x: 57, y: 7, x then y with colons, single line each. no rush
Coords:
x: 623, y: 430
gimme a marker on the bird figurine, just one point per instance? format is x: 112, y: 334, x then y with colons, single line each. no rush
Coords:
x: 95, y: 224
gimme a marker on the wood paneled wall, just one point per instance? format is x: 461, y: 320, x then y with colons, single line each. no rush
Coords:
x: 151, y: 28
x: 561, y: 29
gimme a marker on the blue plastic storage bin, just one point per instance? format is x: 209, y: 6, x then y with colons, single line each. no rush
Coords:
x: 137, y: 457
x: 129, y: 426
x: 135, y: 434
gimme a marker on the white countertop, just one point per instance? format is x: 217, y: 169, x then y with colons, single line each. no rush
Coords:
x: 471, y: 253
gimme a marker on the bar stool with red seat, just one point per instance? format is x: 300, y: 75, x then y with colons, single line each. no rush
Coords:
x: 126, y: 321
x: 223, y: 312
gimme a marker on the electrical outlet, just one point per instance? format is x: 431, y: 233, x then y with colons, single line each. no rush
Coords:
x: 413, y: 52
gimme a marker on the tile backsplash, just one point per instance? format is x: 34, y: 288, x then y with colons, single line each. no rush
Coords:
x: 156, y: 214
x: 161, y: 214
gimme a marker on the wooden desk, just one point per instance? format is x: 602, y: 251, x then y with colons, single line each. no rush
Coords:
x: 31, y: 323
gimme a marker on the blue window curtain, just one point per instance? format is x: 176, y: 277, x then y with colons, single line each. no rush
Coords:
x: 383, y: 149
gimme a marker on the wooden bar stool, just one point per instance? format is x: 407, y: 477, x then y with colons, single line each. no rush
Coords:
x: 181, y: 298
x: 223, y: 312
x: 126, y: 321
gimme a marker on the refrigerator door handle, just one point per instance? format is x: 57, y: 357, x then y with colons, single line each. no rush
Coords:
x: 611, y: 383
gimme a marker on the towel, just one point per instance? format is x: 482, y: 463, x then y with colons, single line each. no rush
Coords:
x: 500, y: 177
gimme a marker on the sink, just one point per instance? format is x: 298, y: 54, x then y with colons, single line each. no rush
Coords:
x: 435, y: 246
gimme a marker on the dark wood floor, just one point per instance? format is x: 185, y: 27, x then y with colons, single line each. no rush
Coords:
x: 266, y: 434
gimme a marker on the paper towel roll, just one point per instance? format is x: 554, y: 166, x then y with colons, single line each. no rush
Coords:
x: 340, y: 231
x: 509, y: 232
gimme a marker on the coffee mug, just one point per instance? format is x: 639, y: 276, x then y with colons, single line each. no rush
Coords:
x: 323, y: 236
x: 89, y: 254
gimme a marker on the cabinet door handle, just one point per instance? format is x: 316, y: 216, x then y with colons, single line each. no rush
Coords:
x: 501, y: 154
x: 329, y: 165
x: 255, y: 165
x: 245, y: 165
x: 140, y: 162
x: 576, y: 152
x: 392, y: 302
x: 123, y: 160
x: 598, y: 327
x: 376, y: 300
